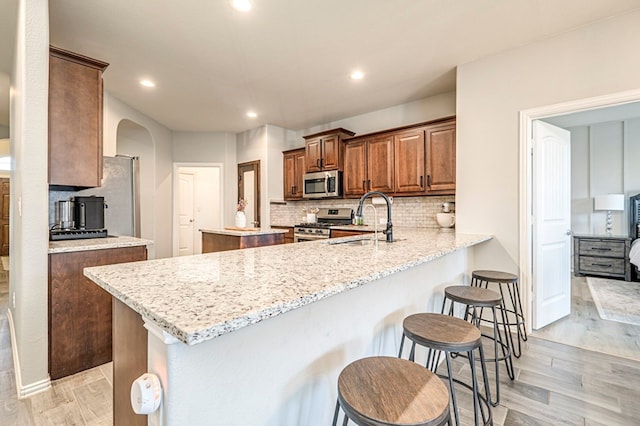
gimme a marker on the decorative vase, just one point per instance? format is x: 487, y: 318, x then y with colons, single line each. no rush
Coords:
x: 241, y: 220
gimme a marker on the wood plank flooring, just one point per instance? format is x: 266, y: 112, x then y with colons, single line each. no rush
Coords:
x: 556, y: 384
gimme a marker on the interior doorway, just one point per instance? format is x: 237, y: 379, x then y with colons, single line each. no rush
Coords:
x: 527, y: 176
x: 197, y: 204
x: 249, y: 189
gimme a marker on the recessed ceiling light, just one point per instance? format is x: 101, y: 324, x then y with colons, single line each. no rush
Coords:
x: 147, y: 83
x: 357, y: 75
x: 252, y: 114
x: 241, y: 5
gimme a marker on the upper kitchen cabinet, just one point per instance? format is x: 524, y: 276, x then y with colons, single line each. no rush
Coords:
x: 368, y: 165
x: 409, y: 161
x: 294, y: 168
x: 324, y: 150
x: 75, y: 119
x: 441, y: 157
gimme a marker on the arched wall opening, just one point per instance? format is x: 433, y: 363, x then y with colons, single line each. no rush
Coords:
x: 134, y: 140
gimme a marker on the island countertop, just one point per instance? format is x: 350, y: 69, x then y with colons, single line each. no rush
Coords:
x: 197, y: 298
x: 66, y: 246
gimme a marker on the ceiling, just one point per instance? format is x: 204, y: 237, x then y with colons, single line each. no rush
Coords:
x: 290, y: 60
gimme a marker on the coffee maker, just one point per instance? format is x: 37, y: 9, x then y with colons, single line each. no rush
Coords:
x: 89, y: 212
x: 64, y: 215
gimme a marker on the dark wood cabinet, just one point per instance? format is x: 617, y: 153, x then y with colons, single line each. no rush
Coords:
x: 288, y: 237
x: 75, y: 119
x: 80, y: 312
x: 602, y: 256
x: 294, y: 168
x: 441, y: 156
x: 323, y: 150
x: 214, y: 242
x: 409, y: 161
x: 339, y: 233
x: 369, y: 165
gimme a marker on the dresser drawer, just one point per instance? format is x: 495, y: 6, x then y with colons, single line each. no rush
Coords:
x: 602, y: 248
x: 602, y: 265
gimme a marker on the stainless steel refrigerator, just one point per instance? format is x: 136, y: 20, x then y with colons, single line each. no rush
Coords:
x: 120, y: 185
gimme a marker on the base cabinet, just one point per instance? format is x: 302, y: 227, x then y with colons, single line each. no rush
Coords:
x: 80, y: 312
x: 212, y: 242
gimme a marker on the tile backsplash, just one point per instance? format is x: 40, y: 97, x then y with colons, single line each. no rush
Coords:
x: 419, y: 212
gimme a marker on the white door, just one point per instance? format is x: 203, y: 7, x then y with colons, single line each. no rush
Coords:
x: 551, y: 223
x: 185, y: 214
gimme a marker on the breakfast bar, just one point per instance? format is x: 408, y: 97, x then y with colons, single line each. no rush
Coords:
x: 258, y: 336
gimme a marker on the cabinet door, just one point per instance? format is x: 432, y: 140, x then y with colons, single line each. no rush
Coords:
x: 330, y: 153
x: 289, y: 176
x: 300, y: 170
x: 355, y: 168
x: 409, y: 161
x: 380, y: 164
x: 441, y: 157
x: 75, y: 123
x: 314, y: 155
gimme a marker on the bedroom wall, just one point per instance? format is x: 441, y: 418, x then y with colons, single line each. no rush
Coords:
x: 603, y: 161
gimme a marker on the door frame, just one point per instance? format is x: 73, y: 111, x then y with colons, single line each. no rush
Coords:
x: 526, y: 117
x: 175, y: 199
x: 255, y: 166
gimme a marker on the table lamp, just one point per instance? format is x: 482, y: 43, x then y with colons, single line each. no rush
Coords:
x: 609, y: 202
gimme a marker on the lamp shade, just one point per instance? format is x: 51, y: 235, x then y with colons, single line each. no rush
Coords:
x: 609, y: 202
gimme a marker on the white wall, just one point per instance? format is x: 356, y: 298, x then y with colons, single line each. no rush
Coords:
x: 157, y: 187
x: 604, y: 160
x: 589, y: 61
x: 211, y: 147
x: 29, y: 195
x: 426, y: 109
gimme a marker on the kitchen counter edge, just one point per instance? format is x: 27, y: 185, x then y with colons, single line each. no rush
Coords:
x: 68, y: 246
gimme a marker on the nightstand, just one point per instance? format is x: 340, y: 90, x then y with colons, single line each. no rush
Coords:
x: 601, y: 255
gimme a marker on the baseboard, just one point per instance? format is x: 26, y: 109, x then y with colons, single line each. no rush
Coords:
x: 24, y: 391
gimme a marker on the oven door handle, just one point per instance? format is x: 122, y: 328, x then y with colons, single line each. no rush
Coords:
x: 309, y: 237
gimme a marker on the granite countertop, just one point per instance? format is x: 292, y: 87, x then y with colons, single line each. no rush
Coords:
x: 66, y: 246
x: 243, y: 233
x: 363, y: 228
x: 196, y: 298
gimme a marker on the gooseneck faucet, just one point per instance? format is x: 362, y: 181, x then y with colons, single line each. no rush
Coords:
x: 389, y: 230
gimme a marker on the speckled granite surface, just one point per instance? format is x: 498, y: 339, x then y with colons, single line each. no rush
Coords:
x: 96, y: 244
x: 237, y: 233
x: 196, y: 298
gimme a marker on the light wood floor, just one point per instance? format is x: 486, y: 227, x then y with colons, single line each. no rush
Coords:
x: 555, y: 383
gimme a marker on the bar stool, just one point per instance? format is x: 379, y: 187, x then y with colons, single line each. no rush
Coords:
x: 511, y: 303
x: 446, y: 334
x: 475, y: 300
x: 381, y: 390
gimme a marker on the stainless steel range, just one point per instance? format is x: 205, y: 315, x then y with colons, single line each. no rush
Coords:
x: 326, y: 218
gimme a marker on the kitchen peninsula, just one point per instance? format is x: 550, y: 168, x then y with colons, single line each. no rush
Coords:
x: 214, y: 240
x: 258, y: 336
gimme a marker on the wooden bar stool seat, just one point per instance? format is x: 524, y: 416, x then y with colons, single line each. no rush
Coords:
x: 449, y: 335
x: 389, y: 391
x: 509, y: 288
x: 475, y: 301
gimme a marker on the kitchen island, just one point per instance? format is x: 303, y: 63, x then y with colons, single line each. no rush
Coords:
x: 258, y: 336
x: 214, y: 240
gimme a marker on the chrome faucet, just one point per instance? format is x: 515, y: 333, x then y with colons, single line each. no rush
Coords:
x: 389, y: 230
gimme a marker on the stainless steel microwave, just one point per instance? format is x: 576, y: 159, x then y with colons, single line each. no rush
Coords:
x: 322, y: 184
